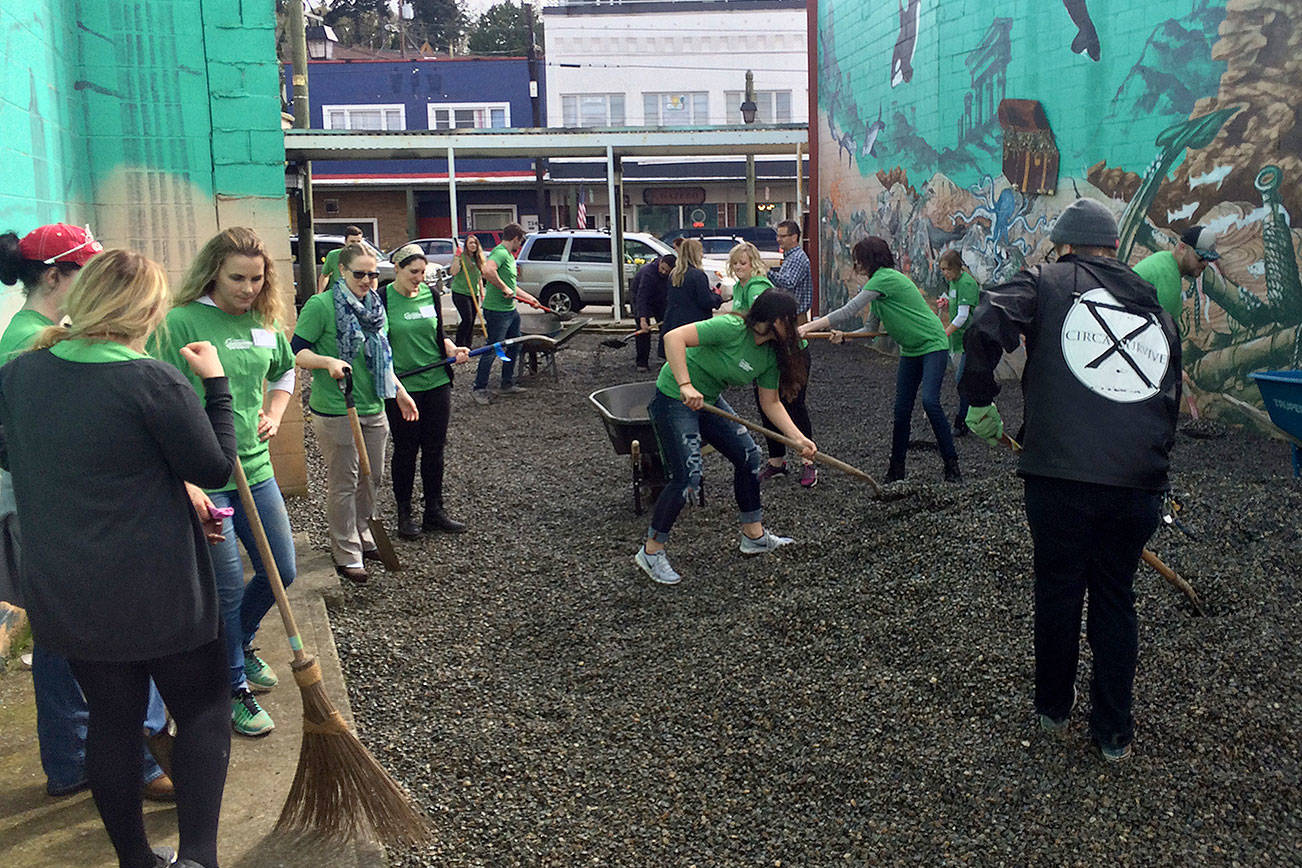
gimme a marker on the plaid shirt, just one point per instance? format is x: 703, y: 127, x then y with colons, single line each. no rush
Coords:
x: 794, y: 276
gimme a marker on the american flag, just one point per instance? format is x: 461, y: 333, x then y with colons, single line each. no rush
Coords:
x: 583, y: 208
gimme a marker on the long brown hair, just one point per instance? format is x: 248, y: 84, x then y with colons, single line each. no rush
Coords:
x: 202, y: 274
x: 779, y: 306
x: 479, y: 253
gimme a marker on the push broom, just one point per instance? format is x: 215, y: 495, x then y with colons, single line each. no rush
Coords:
x: 339, y: 789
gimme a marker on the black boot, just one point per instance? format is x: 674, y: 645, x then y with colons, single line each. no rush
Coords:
x: 407, y: 527
x: 952, y: 473
x: 437, y: 519
x: 895, y: 472
x: 960, y: 425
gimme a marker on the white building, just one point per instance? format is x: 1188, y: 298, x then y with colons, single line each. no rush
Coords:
x: 677, y: 63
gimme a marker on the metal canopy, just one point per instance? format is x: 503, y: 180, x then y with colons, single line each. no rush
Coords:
x: 543, y: 142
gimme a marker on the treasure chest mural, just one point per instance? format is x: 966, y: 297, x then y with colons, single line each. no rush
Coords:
x: 1030, y: 155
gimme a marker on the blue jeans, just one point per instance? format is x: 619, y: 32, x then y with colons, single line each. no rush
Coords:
x: 61, y: 717
x: 243, y: 606
x: 680, y: 432
x: 501, y: 325
x: 926, y: 371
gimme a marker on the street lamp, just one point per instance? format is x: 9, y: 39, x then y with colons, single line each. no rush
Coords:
x: 748, y: 111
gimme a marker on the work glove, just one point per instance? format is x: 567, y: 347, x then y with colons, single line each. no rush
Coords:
x: 985, y: 423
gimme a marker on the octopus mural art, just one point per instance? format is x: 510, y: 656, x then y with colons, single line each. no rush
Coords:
x: 1183, y: 121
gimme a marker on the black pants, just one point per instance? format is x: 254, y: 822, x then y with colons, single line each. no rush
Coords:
x: 1088, y: 539
x: 427, y: 435
x: 466, y: 327
x: 196, y: 687
x: 643, y: 345
x: 795, y: 409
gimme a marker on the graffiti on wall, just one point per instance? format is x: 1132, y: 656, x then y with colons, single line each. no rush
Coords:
x: 984, y: 134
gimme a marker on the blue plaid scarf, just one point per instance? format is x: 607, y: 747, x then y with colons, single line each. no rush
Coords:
x: 360, y: 322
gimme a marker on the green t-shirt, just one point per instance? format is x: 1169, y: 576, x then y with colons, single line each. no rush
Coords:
x: 94, y: 352
x: 316, y: 325
x: 330, y: 267
x: 905, y: 314
x: 744, y: 294
x: 963, y: 291
x: 251, y: 355
x: 467, y: 277
x: 1161, y: 270
x: 727, y: 356
x: 414, y: 336
x: 506, y: 270
x: 21, y: 333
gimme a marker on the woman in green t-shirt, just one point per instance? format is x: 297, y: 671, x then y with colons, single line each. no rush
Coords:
x: 416, y: 335
x: 340, y: 331
x: 231, y: 298
x: 704, y: 358
x: 467, y: 272
x: 924, y: 348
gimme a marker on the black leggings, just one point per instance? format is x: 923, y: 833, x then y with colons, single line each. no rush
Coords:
x: 427, y: 435
x: 466, y: 311
x: 196, y: 687
x: 796, y: 410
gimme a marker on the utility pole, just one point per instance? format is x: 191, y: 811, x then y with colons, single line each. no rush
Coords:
x: 535, y: 100
x: 749, y: 117
x: 302, y: 120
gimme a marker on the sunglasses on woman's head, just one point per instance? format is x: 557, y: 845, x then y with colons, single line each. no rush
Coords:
x: 363, y: 275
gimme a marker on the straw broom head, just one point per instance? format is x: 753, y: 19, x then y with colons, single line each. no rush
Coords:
x: 339, y: 790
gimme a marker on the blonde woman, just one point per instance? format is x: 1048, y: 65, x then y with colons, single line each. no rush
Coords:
x: 467, y: 272
x: 101, y: 440
x: 230, y: 296
x: 690, y: 298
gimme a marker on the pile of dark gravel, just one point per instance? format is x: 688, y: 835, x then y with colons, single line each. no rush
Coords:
x: 862, y: 697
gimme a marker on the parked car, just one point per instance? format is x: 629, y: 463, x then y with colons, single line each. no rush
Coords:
x: 569, y: 268
x: 763, y: 237
x: 439, y: 250
x: 488, y: 238
x: 324, y: 244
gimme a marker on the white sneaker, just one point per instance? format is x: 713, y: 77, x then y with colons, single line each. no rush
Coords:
x: 480, y: 396
x: 766, y: 543
x: 656, y: 566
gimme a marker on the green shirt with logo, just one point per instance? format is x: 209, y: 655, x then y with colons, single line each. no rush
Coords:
x: 316, y: 325
x: 963, y: 291
x: 727, y: 356
x: 1161, y: 270
x: 414, y: 336
x: 21, y: 333
x: 744, y: 294
x: 506, y: 270
x: 905, y: 314
x: 251, y: 354
x: 467, y: 277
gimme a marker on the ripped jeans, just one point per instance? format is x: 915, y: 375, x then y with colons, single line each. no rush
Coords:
x: 680, y: 432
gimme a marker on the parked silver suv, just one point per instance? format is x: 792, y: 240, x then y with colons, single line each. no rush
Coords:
x: 568, y: 268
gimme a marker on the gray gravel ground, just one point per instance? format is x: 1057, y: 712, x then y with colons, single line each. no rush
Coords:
x: 862, y: 697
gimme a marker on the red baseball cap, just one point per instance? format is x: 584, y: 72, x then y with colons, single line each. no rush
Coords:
x: 60, y: 242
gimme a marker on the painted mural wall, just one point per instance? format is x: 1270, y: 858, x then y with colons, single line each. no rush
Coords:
x: 971, y: 124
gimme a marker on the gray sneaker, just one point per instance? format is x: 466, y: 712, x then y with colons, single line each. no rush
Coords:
x: 512, y: 389
x: 1048, y: 724
x: 481, y: 396
x: 656, y: 566
x: 766, y: 543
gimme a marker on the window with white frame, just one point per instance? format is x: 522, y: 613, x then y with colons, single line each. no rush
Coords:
x: 772, y: 106
x: 675, y: 109
x: 466, y: 115
x: 364, y: 117
x: 592, y: 109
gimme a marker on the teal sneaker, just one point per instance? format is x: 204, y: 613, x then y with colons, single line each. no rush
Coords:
x: 247, y: 717
x: 257, y: 673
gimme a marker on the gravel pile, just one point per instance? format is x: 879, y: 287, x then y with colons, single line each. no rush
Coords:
x: 862, y: 697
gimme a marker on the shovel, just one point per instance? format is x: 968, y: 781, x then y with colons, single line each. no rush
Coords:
x: 847, y: 335
x: 388, y: 556
x: 619, y: 343
x: 563, y: 316
x: 878, y: 492
x: 499, y: 348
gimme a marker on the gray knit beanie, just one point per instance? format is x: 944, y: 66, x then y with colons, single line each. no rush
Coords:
x: 1085, y: 222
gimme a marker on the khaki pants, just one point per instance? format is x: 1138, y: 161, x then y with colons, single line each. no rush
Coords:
x: 348, y: 502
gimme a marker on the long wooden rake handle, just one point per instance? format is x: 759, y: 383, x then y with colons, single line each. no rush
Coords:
x: 820, y: 457
x: 301, y: 658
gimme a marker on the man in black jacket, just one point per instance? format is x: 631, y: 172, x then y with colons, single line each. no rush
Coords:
x: 1102, y: 389
x: 650, y: 292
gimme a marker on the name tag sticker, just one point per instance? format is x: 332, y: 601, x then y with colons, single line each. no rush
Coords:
x: 427, y: 310
x: 263, y: 338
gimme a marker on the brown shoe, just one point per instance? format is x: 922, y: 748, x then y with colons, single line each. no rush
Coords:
x: 160, y: 789
x: 160, y: 745
x: 356, y: 575
x: 372, y: 555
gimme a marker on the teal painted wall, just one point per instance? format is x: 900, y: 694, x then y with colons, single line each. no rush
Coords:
x: 1171, y: 112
